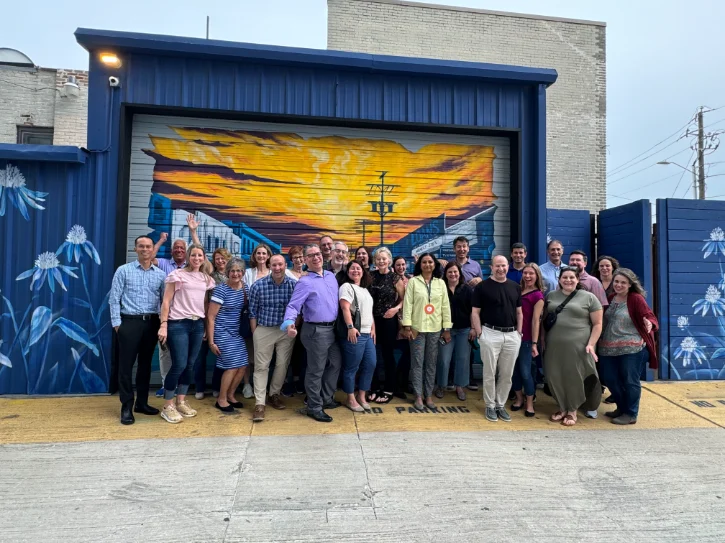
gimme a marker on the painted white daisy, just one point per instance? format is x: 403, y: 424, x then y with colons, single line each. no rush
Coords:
x: 682, y: 322
x: 75, y: 241
x: 715, y: 244
x: 688, y: 349
x: 47, y: 265
x: 13, y: 189
x: 712, y: 300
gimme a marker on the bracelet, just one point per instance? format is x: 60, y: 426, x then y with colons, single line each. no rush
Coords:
x: 164, y: 322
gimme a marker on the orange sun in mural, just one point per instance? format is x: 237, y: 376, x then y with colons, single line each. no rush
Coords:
x: 288, y: 186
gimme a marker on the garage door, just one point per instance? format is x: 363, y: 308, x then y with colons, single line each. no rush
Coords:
x: 284, y: 185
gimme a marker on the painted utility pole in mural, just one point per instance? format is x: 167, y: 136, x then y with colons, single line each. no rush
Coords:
x: 381, y: 207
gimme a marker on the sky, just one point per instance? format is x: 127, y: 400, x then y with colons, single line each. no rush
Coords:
x: 664, y: 60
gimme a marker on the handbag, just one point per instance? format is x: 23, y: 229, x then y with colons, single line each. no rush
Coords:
x: 341, y: 325
x: 245, y: 329
x: 550, y: 319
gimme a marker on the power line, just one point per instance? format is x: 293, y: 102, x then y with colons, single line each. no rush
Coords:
x: 652, y: 183
x: 684, y: 171
x: 676, y: 132
x: 645, y: 168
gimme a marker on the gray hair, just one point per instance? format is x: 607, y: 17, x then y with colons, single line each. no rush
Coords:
x: 233, y: 262
x: 341, y: 243
x: 383, y: 251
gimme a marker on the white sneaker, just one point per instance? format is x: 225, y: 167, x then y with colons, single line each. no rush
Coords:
x: 592, y: 414
x: 199, y: 395
x: 215, y: 393
x: 170, y: 414
x: 185, y: 409
x: 248, y: 391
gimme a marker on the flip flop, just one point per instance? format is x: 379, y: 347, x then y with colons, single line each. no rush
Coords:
x: 383, y: 398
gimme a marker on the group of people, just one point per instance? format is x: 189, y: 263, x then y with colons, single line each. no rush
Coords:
x: 333, y: 318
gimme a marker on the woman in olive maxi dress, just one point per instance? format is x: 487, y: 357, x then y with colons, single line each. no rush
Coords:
x: 570, y: 351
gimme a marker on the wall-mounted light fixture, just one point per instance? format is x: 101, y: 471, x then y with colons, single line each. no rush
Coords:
x: 111, y: 60
x: 70, y: 87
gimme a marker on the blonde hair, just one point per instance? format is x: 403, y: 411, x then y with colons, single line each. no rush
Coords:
x: 539, y: 283
x: 205, y: 267
x: 383, y: 251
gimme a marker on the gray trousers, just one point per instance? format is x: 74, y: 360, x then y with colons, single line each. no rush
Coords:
x: 423, y: 362
x: 499, y: 351
x: 323, y: 364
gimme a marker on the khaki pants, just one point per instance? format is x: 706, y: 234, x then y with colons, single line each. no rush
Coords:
x: 267, y: 340
x: 499, y: 351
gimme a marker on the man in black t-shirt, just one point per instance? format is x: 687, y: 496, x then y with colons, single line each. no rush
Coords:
x: 497, y: 320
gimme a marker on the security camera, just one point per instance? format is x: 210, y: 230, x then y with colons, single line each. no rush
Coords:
x: 114, y: 81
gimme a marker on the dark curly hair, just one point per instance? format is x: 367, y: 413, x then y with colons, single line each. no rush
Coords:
x: 437, y: 273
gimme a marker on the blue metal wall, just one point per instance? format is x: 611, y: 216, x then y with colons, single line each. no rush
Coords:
x: 204, y: 77
x: 572, y: 227
x: 54, y: 339
x: 691, y: 283
x: 625, y: 233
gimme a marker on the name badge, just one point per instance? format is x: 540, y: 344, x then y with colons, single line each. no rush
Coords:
x: 429, y: 309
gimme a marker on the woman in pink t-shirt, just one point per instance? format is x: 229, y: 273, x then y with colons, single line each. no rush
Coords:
x: 532, y: 304
x: 182, y: 324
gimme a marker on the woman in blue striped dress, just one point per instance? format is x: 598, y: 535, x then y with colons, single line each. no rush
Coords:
x: 225, y: 308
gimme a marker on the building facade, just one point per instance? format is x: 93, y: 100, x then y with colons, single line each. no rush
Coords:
x: 576, y: 105
x: 41, y: 105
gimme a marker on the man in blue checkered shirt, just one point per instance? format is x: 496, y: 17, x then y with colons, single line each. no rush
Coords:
x: 268, y: 299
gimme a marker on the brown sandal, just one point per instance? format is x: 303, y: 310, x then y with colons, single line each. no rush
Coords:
x: 568, y: 420
x: 556, y: 417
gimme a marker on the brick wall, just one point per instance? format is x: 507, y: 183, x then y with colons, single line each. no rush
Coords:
x: 576, y: 103
x: 36, y: 97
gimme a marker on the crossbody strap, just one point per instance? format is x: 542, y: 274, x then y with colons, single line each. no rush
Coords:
x: 563, y: 304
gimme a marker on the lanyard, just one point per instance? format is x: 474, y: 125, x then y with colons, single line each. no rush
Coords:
x: 428, y: 286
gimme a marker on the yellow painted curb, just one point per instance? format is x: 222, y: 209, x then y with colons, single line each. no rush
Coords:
x: 95, y: 418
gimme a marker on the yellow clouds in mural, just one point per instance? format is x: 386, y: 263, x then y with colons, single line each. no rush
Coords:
x: 320, y: 181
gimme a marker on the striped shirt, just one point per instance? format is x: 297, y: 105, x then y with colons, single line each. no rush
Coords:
x: 268, y: 300
x: 135, y: 291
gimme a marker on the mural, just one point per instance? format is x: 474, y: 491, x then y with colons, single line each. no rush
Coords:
x: 284, y: 189
x: 52, y: 327
x: 697, y: 341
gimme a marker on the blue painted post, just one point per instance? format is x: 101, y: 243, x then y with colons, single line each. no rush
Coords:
x: 663, y: 294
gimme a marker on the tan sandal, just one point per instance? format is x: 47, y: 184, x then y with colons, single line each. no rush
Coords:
x: 568, y: 420
x: 556, y: 417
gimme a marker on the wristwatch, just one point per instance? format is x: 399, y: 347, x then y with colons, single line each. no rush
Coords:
x: 446, y: 329
x: 349, y: 326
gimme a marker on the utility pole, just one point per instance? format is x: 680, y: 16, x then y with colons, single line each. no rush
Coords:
x: 700, y: 154
x: 694, y: 179
x: 364, y: 223
x: 207, y: 27
x: 381, y: 207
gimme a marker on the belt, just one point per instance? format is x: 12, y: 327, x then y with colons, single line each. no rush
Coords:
x: 145, y: 317
x: 505, y: 329
x: 321, y: 323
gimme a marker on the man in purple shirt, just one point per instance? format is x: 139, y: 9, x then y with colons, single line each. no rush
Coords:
x: 316, y: 298
x: 578, y: 259
x: 471, y: 269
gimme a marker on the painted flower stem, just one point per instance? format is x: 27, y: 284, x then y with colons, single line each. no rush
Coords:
x: 93, y: 318
x: 16, y: 339
x: 48, y: 336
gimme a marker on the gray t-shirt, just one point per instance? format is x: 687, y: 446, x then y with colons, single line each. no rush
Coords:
x: 347, y: 292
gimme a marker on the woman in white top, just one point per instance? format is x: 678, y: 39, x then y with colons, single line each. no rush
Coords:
x: 358, y: 349
x: 258, y: 264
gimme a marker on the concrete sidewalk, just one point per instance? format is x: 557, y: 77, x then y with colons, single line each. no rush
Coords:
x: 652, y: 485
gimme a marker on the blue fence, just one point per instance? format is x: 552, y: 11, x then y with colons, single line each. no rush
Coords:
x: 57, y: 227
x: 691, y: 282
x: 573, y: 227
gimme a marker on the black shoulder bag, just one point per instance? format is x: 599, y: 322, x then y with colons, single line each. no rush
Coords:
x: 245, y: 328
x: 341, y: 325
x: 550, y: 319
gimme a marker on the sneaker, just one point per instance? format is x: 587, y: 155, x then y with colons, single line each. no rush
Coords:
x: 624, y: 420
x: 170, y: 414
x: 503, y: 414
x: 258, y: 413
x: 199, y: 395
x: 591, y: 414
x: 473, y: 387
x: 491, y: 414
x: 215, y: 393
x: 247, y: 391
x: 185, y: 409
x: 160, y: 393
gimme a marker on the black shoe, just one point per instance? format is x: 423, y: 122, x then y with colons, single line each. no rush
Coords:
x: 236, y: 405
x: 127, y: 416
x: 145, y: 409
x: 334, y: 404
x: 609, y: 400
x: 319, y: 416
x: 227, y: 409
x: 529, y: 413
x: 515, y: 407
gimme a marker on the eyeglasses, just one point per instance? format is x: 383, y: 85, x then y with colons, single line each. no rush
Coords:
x: 341, y: 251
x: 298, y: 257
x: 314, y: 255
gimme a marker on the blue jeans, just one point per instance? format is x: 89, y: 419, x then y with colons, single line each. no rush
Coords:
x: 360, y: 355
x: 184, y: 339
x: 622, y: 374
x: 522, y: 377
x: 458, y: 344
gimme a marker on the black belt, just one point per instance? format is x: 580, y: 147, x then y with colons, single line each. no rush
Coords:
x: 504, y: 329
x: 146, y: 317
x: 321, y: 323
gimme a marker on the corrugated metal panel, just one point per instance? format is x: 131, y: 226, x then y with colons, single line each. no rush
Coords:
x: 256, y: 88
x: 56, y: 340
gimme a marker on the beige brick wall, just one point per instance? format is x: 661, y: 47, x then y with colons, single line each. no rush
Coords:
x: 576, y: 103
x: 35, y: 97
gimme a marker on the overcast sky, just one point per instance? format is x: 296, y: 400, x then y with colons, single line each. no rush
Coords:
x: 664, y: 59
